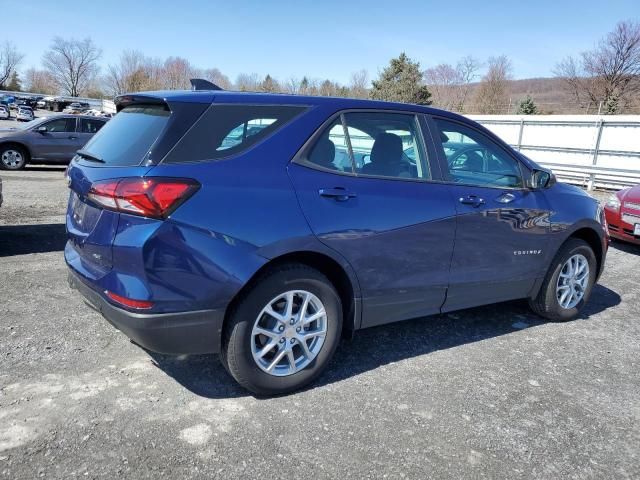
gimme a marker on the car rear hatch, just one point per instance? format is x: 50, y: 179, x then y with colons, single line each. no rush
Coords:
x: 124, y: 150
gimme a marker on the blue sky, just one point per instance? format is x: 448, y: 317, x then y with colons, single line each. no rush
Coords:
x: 322, y: 38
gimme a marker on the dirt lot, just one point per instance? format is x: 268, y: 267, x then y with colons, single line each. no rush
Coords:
x: 491, y: 392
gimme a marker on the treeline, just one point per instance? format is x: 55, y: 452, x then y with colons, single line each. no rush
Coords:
x: 606, y: 78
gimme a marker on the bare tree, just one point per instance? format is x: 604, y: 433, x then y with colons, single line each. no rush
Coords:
x: 10, y: 58
x: 247, y: 82
x: 451, y: 85
x: 467, y: 68
x: 493, y: 90
x: 39, y: 81
x: 292, y: 86
x: 359, y: 86
x: 176, y: 73
x: 216, y: 76
x: 73, y: 64
x: 131, y: 74
x: 608, y: 74
x: 443, y: 81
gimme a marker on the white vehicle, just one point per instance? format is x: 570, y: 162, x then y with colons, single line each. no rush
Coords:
x: 4, y: 113
x: 93, y: 112
x: 41, y: 103
x: 25, y: 114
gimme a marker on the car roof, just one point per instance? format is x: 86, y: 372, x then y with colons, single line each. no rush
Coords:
x: 222, y: 96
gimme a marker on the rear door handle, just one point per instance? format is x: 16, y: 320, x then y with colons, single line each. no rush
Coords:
x: 338, y: 193
x: 472, y: 200
x: 71, y: 137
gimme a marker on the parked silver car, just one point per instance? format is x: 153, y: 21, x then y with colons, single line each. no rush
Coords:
x: 46, y: 140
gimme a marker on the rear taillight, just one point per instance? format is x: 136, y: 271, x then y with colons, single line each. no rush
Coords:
x: 149, y: 197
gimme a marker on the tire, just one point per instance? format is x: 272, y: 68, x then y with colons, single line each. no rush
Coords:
x: 12, y: 157
x: 241, y: 344
x: 546, y: 303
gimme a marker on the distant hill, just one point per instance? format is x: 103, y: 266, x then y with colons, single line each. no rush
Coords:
x: 549, y: 96
x: 547, y: 93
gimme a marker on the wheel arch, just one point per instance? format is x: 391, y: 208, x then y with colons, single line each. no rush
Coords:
x: 594, y: 240
x: 343, y: 281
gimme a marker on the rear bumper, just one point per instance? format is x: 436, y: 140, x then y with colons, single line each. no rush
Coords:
x: 171, y: 333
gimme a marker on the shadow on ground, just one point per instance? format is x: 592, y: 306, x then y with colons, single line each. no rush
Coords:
x: 45, y: 168
x: 24, y: 239
x: 374, y: 347
x: 625, y: 247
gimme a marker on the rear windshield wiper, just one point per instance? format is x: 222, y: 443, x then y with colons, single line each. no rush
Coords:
x: 89, y: 156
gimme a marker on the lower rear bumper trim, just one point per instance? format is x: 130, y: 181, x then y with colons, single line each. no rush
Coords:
x: 171, y: 333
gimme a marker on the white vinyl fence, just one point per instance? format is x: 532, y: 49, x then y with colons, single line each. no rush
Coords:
x: 588, y: 150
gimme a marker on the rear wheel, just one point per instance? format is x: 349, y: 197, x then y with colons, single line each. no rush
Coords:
x: 12, y: 158
x: 284, y: 331
x: 568, y: 283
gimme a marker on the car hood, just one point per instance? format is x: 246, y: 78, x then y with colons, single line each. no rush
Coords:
x: 630, y: 194
x: 5, y: 132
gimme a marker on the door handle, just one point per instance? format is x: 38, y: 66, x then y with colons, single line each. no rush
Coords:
x: 338, y: 193
x: 472, y: 200
x: 71, y: 137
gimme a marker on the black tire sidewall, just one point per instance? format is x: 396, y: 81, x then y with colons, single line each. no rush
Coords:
x: 243, y: 367
x: 551, y: 299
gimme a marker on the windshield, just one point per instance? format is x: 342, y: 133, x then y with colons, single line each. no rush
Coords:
x: 126, y: 139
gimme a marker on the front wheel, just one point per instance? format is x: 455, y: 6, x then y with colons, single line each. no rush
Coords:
x: 12, y: 158
x: 282, y: 334
x: 568, y: 283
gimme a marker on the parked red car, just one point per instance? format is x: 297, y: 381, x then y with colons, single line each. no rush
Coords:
x: 623, y: 214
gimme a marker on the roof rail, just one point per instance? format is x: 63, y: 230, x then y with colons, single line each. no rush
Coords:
x: 202, y: 84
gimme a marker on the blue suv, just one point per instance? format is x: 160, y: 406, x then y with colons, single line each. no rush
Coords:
x: 265, y: 227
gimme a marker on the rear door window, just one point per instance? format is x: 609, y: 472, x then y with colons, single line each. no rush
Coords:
x: 226, y: 130
x: 382, y: 145
x: 90, y: 125
x: 126, y: 139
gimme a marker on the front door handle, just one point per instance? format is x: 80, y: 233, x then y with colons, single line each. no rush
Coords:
x: 338, y: 193
x: 472, y: 200
x: 71, y: 137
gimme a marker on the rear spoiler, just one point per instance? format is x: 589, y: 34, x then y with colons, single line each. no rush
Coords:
x: 201, y: 84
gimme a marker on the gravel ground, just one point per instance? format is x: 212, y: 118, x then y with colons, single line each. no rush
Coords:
x: 491, y: 392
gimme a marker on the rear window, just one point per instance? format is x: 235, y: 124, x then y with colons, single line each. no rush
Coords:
x: 226, y: 130
x: 126, y: 139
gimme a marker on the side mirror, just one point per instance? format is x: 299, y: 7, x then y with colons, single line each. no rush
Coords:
x: 541, y: 179
x: 41, y: 129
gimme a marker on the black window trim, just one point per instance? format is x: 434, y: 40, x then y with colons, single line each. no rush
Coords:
x: 525, y: 173
x: 303, y: 108
x: 301, y: 157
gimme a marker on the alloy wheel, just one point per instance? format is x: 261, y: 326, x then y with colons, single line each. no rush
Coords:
x: 289, y: 333
x: 572, y: 281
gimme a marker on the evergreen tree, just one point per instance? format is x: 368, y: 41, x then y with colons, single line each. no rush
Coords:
x: 527, y: 107
x: 269, y: 84
x: 14, y: 84
x: 401, y: 81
